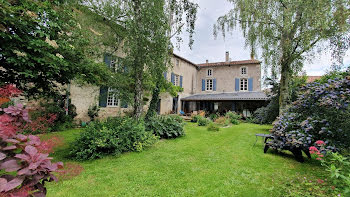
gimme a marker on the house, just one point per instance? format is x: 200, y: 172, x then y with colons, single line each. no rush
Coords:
x: 214, y: 87
x: 311, y: 79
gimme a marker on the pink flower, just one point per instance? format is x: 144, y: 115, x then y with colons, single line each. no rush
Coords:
x: 319, y: 158
x: 320, y: 142
x: 312, y: 148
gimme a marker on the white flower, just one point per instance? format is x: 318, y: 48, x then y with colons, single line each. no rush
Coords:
x: 19, y: 54
x: 51, y: 43
x: 59, y: 55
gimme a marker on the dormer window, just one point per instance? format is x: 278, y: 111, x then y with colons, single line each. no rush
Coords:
x: 243, y: 70
x: 210, y: 72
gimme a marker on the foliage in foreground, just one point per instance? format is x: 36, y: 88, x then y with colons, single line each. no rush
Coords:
x: 166, y: 126
x: 42, y: 45
x: 24, y: 162
x: 322, y: 112
x: 111, y: 137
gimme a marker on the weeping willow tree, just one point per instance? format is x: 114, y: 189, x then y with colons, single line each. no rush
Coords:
x: 287, y: 31
x: 148, y: 27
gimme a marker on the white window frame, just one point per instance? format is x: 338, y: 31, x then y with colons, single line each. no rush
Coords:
x: 112, y: 99
x: 243, y: 84
x: 176, y: 80
x: 244, y: 69
x: 210, y: 72
x: 209, y: 84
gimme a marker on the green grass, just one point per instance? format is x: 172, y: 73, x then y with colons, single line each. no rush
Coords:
x: 202, y: 163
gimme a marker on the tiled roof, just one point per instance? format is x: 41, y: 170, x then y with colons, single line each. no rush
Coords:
x: 229, y: 63
x: 256, y: 96
x: 312, y: 78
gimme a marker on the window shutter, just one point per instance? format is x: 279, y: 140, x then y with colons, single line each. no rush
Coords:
x: 203, y: 84
x: 250, y: 84
x: 107, y: 60
x: 165, y: 75
x: 172, y: 78
x: 181, y: 78
x: 214, y: 84
x: 237, y: 84
x: 103, y: 97
x: 124, y: 104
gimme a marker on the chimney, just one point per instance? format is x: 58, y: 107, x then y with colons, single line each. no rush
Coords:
x: 207, y: 61
x: 227, y: 56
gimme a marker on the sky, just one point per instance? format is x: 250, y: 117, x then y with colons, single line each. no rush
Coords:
x: 206, y: 47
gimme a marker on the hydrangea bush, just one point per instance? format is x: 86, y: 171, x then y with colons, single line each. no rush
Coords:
x: 321, y: 112
x: 25, y: 168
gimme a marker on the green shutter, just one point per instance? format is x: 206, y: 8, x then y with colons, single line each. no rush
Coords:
x: 103, y: 96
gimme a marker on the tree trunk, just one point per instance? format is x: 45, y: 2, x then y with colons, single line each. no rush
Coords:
x: 138, y: 96
x: 138, y: 69
x: 152, y: 110
x: 284, y: 87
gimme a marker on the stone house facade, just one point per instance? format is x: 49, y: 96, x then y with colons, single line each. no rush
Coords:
x: 214, y: 87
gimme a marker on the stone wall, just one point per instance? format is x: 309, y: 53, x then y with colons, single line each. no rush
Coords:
x: 189, y: 84
x: 225, y: 77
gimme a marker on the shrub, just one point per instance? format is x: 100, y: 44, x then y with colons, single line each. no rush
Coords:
x: 268, y: 114
x: 213, y: 127
x: 222, y: 121
x: 203, y: 121
x: 195, y: 118
x: 40, y: 124
x: 321, y: 112
x: 57, y: 107
x: 235, y: 121
x: 111, y: 137
x: 93, y: 112
x: 233, y: 116
x: 213, y: 117
x: 166, y: 126
x: 24, y: 167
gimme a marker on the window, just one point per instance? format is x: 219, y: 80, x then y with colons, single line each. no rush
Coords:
x: 210, y: 72
x: 112, y: 99
x: 244, y: 70
x: 244, y: 85
x: 209, y: 85
x: 176, y: 80
x: 177, y: 62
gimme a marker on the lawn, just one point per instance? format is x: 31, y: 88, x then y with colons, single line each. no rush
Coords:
x: 202, y: 163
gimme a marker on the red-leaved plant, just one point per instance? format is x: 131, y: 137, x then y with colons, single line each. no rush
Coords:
x: 27, y: 168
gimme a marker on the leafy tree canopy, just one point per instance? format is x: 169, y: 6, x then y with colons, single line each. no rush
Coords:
x: 43, y: 47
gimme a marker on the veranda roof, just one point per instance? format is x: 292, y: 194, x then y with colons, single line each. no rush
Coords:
x: 257, y: 96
